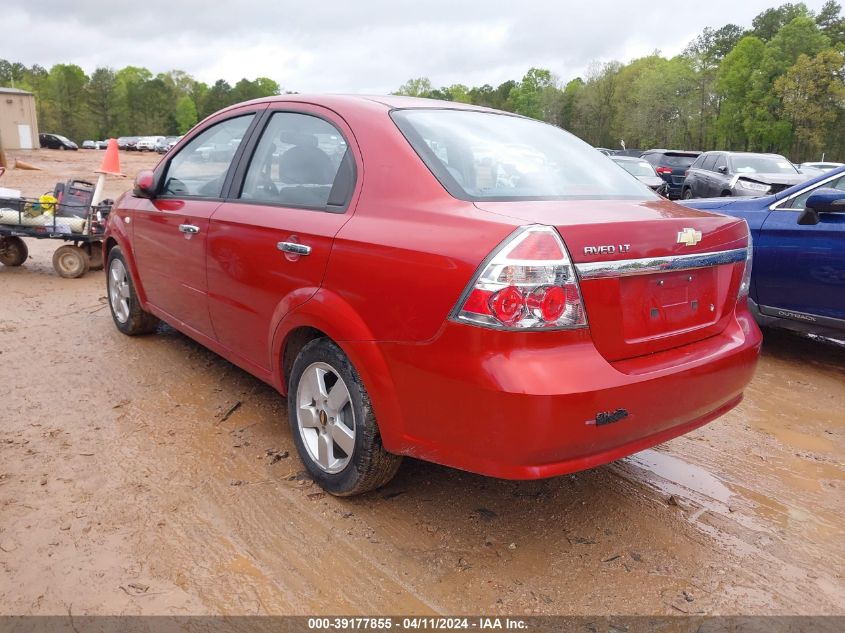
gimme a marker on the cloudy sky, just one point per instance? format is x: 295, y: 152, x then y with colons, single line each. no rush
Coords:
x: 367, y: 46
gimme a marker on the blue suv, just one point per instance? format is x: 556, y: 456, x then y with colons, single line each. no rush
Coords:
x: 798, y: 278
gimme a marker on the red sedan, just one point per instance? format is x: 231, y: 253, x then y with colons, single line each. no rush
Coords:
x: 443, y: 281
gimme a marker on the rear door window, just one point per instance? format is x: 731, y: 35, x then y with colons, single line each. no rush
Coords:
x: 200, y: 168
x: 709, y: 162
x: 301, y: 161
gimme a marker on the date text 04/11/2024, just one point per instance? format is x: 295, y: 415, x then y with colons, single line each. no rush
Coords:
x: 415, y: 623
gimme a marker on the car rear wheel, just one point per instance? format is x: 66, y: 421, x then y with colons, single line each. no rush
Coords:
x: 13, y: 251
x: 125, y: 306
x: 687, y: 194
x: 333, y: 423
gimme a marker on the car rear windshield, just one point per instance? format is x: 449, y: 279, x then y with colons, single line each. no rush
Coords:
x: 637, y: 167
x: 678, y: 160
x: 757, y: 164
x: 484, y: 156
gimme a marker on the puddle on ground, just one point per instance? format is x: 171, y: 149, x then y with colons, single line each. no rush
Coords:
x: 680, y: 476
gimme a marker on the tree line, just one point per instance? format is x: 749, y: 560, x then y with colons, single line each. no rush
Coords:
x: 778, y: 86
x: 130, y: 101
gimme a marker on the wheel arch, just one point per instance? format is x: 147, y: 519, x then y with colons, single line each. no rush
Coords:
x: 327, y: 314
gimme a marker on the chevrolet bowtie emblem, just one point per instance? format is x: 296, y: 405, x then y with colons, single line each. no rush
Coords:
x: 689, y: 237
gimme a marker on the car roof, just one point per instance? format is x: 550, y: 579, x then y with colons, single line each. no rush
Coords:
x: 387, y: 102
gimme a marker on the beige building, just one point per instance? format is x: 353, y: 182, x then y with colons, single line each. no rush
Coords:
x: 18, y: 120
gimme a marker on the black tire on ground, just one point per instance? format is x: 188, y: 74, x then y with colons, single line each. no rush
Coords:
x: 369, y: 466
x: 687, y: 194
x: 13, y: 251
x: 96, y: 254
x: 726, y: 194
x: 71, y: 261
x: 126, y: 311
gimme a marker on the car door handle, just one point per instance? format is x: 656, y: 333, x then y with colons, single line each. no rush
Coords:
x: 189, y: 228
x: 294, y: 248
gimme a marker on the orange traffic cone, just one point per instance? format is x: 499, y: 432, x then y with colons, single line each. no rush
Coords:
x: 111, y: 161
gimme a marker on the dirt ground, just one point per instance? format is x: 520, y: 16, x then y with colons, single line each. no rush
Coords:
x: 124, y: 491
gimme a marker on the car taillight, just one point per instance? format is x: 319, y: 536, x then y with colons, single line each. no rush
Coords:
x: 528, y: 283
x: 745, y: 284
x: 663, y: 170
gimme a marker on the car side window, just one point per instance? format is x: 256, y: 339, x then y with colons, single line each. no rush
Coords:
x: 709, y: 162
x: 300, y: 161
x: 698, y: 162
x: 721, y: 161
x: 199, y: 169
x: 800, y: 201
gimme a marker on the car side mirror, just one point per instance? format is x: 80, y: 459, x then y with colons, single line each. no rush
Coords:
x: 145, y: 184
x: 722, y: 169
x: 824, y: 200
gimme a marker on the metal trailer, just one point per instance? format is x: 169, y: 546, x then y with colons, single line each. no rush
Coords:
x: 73, y: 220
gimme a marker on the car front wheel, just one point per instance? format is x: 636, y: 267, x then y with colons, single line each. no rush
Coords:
x: 333, y: 423
x: 125, y: 306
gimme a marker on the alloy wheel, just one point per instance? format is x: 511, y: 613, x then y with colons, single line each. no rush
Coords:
x: 119, y: 290
x: 325, y: 417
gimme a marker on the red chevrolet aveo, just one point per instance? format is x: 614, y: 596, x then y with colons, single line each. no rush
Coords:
x: 448, y: 282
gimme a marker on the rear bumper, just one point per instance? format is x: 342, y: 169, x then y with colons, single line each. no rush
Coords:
x: 525, y: 405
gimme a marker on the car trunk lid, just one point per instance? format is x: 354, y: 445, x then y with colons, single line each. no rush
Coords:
x: 653, y: 275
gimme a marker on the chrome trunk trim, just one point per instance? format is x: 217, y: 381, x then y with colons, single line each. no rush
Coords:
x: 651, y: 265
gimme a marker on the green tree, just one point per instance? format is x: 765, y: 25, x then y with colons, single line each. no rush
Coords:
x: 65, y: 100
x: 831, y: 22
x: 734, y: 85
x: 813, y: 94
x: 185, y: 114
x: 531, y: 96
x: 419, y: 87
x: 765, y: 126
x: 218, y: 96
x: 769, y: 22
x: 102, y: 99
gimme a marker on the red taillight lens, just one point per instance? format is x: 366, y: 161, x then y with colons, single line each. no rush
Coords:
x: 663, y: 171
x: 547, y: 302
x: 529, y: 283
x: 507, y: 305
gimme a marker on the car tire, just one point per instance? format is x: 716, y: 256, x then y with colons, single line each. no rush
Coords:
x: 686, y: 194
x: 13, y: 251
x: 339, y: 442
x: 126, y: 311
x: 71, y: 261
x: 726, y: 194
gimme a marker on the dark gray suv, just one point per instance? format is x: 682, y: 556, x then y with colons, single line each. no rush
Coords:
x: 716, y: 174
